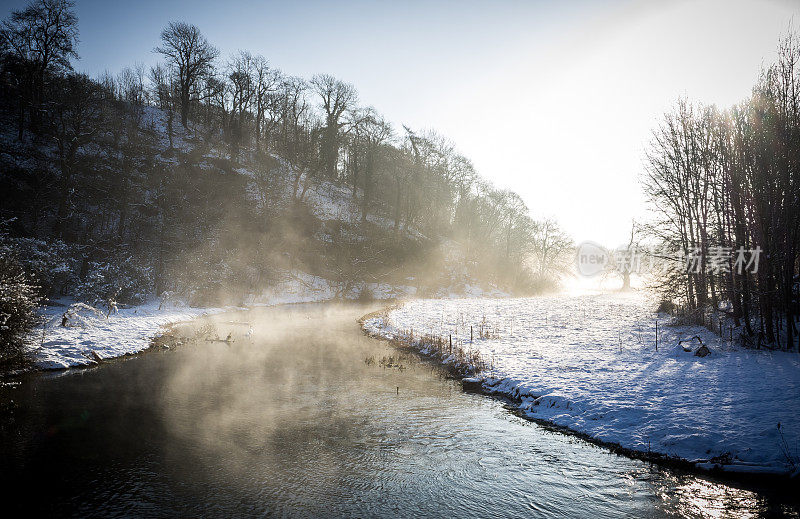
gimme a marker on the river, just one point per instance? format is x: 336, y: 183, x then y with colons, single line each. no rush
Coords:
x: 310, y: 417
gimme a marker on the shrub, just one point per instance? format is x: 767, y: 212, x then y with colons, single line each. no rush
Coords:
x: 18, y: 301
x: 666, y: 306
x: 52, y: 263
x: 121, y: 279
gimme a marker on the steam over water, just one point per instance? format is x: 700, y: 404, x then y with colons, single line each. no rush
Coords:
x: 294, y: 421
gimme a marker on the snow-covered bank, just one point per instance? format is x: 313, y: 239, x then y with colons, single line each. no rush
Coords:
x: 589, y: 363
x: 91, y: 337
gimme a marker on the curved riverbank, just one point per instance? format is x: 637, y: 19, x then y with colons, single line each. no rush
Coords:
x: 310, y: 417
x: 546, y: 399
x: 75, y: 335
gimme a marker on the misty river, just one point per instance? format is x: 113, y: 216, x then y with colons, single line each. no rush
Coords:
x: 310, y: 417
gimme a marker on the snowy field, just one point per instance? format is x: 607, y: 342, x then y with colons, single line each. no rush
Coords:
x: 589, y: 363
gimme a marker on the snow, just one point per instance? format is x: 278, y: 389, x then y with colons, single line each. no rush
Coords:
x: 295, y: 287
x: 91, y: 336
x: 589, y: 363
x: 330, y: 201
x: 96, y: 337
x: 301, y: 287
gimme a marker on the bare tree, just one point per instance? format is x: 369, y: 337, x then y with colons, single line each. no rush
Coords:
x: 295, y: 138
x: 266, y: 83
x: 515, y: 213
x: 163, y: 86
x: 375, y: 131
x: 77, y: 110
x: 550, y: 246
x: 192, y: 56
x: 626, y: 258
x: 725, y: 182
x: 241, y: 80
x: 131, y: 87
x: 336, y: 97
x: 42, y: 37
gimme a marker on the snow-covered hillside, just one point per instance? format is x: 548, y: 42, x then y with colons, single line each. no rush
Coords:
x: 307, y: 214
x: 590, y: 363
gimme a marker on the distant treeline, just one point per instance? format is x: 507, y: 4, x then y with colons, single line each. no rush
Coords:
x: 176, y: 178
x: 725, y: 181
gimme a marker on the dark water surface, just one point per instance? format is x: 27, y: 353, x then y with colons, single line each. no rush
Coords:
x: 300, y: 421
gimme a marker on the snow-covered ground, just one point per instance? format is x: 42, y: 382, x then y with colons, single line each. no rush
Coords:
x: 589, y: 363
x: 89, y: 336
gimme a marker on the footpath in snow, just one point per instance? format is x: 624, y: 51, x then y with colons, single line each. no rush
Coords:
x: 589, y: 363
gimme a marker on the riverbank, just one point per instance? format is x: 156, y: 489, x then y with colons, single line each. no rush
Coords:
x: 295, y: 421
x: 88, y: 336
x: 588, y: 364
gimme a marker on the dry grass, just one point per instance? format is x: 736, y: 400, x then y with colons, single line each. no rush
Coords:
x: 456, y: 356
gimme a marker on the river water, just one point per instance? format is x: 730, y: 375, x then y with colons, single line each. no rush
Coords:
x: 309, y: 417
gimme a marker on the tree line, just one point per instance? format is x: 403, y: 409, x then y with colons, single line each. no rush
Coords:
x: 726, y: 187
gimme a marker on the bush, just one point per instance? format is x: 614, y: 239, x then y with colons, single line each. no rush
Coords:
x: 18, y: 301
x: 221, y: 279
x: 121, y: 279
x: 666, y: 306
x: 52, y: 263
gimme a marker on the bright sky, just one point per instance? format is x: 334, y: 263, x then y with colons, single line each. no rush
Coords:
x: 555, y: 100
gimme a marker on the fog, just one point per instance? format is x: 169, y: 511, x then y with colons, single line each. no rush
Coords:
x: 293, y: 417
x: 283, y: 394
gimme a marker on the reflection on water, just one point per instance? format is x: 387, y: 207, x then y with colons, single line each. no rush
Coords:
x: 294, y: 421
x: 696, y: 497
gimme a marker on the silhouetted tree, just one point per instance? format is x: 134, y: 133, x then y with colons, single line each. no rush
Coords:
x: 336, y: 97
x: 42, y: 39
x: 191, y: 55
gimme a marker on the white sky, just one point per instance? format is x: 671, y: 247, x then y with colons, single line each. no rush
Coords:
x: 566, y: 124
x: 555, y: 100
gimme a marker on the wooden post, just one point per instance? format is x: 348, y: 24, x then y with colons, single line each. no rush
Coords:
x: 656, y: 334
x: 470, y: 334
x: 451, y: 344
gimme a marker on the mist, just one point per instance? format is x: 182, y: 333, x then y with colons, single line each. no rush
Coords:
x: 400, y: 260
